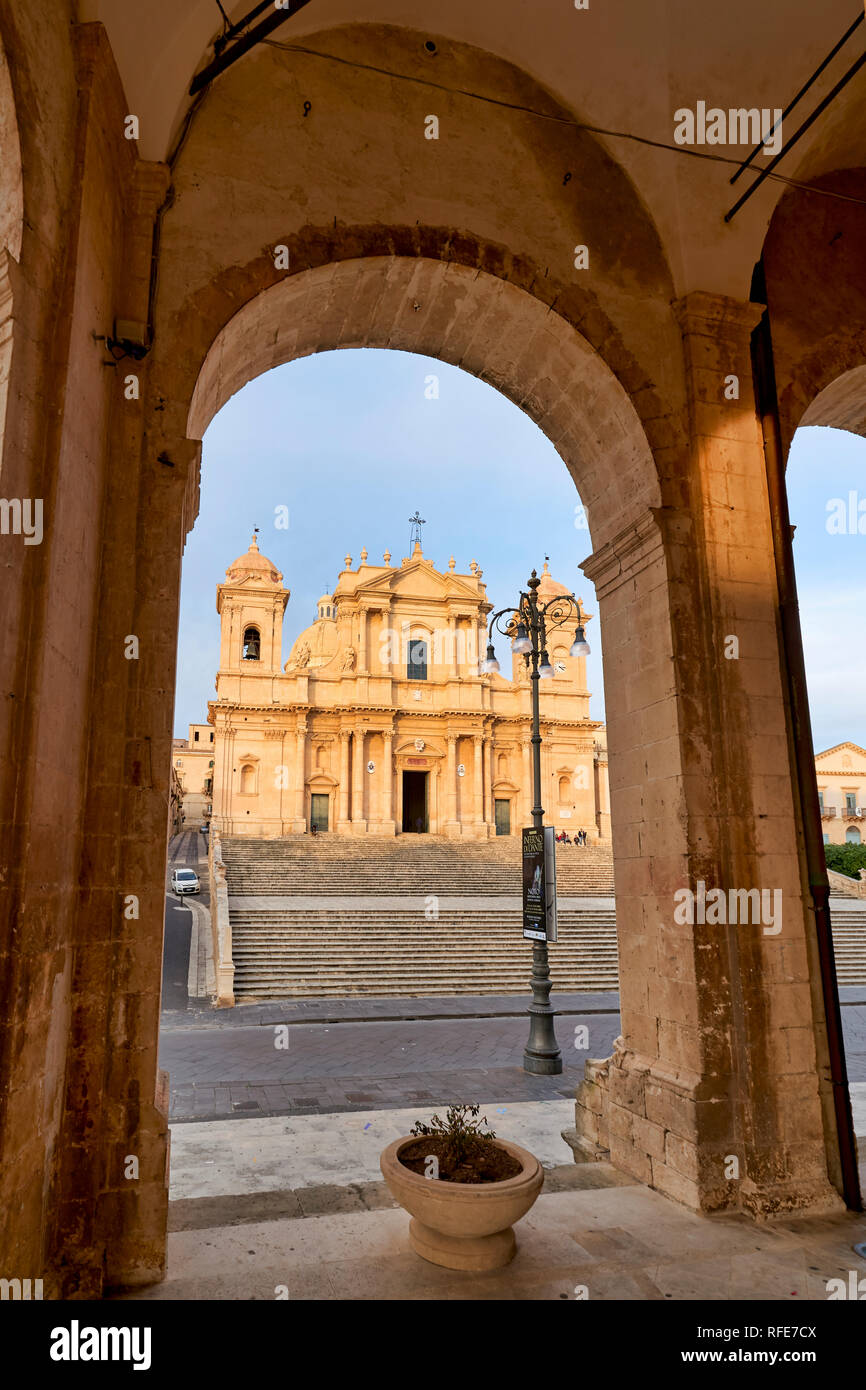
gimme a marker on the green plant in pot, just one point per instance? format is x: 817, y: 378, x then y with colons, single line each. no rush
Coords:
x: 463, y: 1187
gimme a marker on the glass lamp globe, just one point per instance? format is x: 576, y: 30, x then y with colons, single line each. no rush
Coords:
x: 545, y: 669
x: 521, y: 644
x: 580, y: 646
x: 490, y: 665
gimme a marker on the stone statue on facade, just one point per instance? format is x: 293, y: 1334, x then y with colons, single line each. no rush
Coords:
x: 349, y: 659
x: 302, y: 656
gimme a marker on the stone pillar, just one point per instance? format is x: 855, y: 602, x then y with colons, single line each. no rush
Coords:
x: 363, y: 666
x: 602, y: 796
x: 489, y: 770
x: 343, y: 818
x: 300, y: 778
x: 478, y: 783
x: 452, y: 637
x: 359, y: 824
x: 716, y: 1092
x: 388, y: 783
x: 451, y: 826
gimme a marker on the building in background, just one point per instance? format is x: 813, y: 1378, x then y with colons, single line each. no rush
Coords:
x: 175, y: 804
x: 380, y: 722
x: 193, y: 764
x: 841, y: 772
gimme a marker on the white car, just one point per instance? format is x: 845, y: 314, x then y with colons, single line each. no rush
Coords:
x: 185, y: 881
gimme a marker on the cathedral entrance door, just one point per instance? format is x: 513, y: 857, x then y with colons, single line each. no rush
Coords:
x: 415, y: 803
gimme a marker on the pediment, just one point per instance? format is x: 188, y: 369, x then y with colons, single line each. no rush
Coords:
x: 322, y: 778
x: 407, y: 748
x: 833, y: 754
x: 419, y: 580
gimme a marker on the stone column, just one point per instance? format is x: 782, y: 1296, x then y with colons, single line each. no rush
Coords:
x: 716, y: 1093
x: 388, y: 782
x: 300, y: 778
x: 478, y: 783
x: 343, y: 819
x: 452, y: 637
x: 283, y: 783
x: 359, y: 824
x: 362, y: 642
x: 489, y: 767
x: 451, y: 827
x: 602, y: 797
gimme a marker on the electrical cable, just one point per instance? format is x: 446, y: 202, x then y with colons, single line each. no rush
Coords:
x: 550, y: 116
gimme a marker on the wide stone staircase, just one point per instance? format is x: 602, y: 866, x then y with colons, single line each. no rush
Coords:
x: 301, y: 953
x: 299, y: 865
x: 404, y: 941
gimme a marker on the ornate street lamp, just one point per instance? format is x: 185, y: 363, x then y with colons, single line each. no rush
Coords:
x: 528, y: 626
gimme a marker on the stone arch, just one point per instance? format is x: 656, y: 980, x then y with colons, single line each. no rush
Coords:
x: 841, y: 403
x: 472, y: 319
x: 816, y: 295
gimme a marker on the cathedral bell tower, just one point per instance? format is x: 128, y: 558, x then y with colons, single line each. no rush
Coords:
x: 251, y: 604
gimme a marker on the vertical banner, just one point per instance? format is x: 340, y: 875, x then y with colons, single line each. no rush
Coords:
x: 534, y: 897
x: 539, y: 884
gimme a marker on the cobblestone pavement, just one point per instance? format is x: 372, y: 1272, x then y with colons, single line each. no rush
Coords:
x: 327, y: 1067
x: 357, y: 1053
x: 216, y: 1073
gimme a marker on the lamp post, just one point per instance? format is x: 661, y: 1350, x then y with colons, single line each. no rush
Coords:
x: 528, y: 627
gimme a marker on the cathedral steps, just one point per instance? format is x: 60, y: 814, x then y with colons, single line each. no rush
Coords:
x: 412, y: 865
x: 303, y: 952
x: 299, y: 953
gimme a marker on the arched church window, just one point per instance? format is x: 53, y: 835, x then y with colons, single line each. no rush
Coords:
x: 502, y: 765
x: 252, y: 646
x: 852, y: 835
x: 416, y: 667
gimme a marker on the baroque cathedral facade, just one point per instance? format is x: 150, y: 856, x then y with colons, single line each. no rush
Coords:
x: 380, y: 723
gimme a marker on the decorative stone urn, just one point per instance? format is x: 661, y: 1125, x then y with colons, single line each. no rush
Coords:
x: 463, y: 1225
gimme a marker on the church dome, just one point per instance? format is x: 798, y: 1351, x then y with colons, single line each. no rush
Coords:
x: 315, y: 646
x: 253, y: 565
x: 549, y: 587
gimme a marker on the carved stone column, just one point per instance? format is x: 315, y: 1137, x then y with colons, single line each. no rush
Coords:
x: 452, y: 637
x: 478, y: 783
x: 489, y: 769
x: 343, y: 819
x: 388, y: 782
x: 363, y: 660
x: 451, y: 826
x: 359, y: 824
x: 300, y: 777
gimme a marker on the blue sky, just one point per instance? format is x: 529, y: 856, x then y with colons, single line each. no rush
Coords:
x: 824, y: 467
x: 350, y: 443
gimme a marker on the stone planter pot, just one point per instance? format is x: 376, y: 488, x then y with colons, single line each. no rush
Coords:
x: 463, y: 1225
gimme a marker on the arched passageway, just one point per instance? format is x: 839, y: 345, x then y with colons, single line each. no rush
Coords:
x: 641, y: 376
